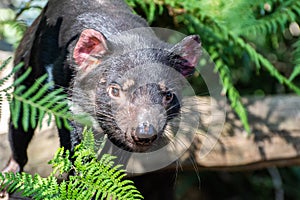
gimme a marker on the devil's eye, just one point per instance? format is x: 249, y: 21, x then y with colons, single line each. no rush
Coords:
x: 168, y: 97
x: 114, y: 91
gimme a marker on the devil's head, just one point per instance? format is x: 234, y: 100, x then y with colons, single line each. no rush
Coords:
x: 132, y: 84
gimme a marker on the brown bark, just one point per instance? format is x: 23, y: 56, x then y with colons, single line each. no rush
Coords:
x: 274, y: 139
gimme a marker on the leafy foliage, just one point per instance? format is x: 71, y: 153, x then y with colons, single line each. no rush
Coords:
x: 34, y: 102
x: 234, y: 33
x: 93, y: 178
x: 31, y: 105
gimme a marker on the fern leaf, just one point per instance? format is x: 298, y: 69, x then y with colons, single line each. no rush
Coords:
x: 93, y: 179
x: 37, y: 102
x: 233, y: 94
x: 36, y: 84
x: 36, y: 187
x: 42, y: 91
x: 61, y: 161
x: 295, y: 73
x: 33, y: 120
x: 41, y: 115
x: 3, y: 80
x: 287, y: 11
x: 25, y: 117
x: 20, y: 79
x: 5, y: 63
x: 6, y: 78
x: 15, y: 108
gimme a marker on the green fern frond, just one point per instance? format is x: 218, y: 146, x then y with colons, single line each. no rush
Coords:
x: 93, y: 178
x: 5, y: 90
x: 232, y: 92
x: 295, y: 73
x: 4, y: 64
x: 32, y: 104
x: 29, y: 186
x: 4, y: 79
x: 101, y: 176
x: 89, y: 140
x: 61, y: 162
x: 36, y: 102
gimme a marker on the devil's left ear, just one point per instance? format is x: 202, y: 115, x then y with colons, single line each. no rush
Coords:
x: 187, y: 54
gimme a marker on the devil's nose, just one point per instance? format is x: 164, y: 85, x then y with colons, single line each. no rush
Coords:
x: 145, y: 130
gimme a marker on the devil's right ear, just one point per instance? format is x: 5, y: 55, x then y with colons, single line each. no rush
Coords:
x: 89, y: 49
x: 187, y: 52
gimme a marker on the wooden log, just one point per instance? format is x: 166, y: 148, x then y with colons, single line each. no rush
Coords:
x: 275, y: 138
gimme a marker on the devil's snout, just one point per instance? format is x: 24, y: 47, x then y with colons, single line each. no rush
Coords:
x: 145, y: 130
x: 145, y: 133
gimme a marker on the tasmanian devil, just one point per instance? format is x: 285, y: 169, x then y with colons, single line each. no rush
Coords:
x: 112, y: 67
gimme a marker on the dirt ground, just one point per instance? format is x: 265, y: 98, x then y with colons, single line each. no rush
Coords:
x: 40, y: 151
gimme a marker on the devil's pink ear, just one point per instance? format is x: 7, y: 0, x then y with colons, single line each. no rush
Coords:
x: 90, y: 43
x: 188, y: 52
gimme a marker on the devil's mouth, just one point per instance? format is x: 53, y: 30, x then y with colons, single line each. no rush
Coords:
x: 142, y: 141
